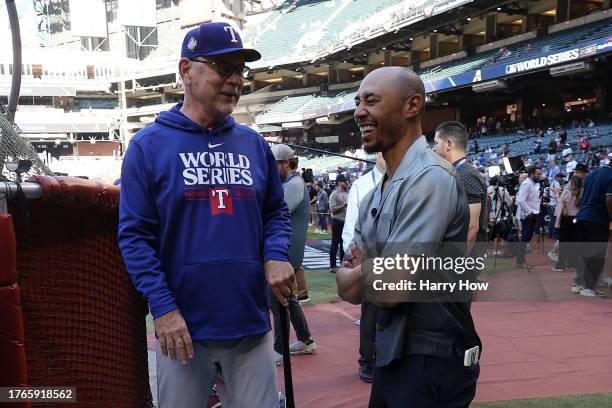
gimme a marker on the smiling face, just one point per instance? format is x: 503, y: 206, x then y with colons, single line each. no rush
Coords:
x: 215, y: 94
x: 384, y: 108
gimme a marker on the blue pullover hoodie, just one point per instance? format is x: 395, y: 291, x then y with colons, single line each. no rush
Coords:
x: 201, y: 211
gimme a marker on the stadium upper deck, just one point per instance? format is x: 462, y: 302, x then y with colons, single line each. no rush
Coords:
x: 529, y: 55
x: 315, y: 52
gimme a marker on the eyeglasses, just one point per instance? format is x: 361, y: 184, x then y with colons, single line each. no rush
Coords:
x: 224, y: 69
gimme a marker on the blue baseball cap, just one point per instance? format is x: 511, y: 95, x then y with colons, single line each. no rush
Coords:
x: 211, y: 39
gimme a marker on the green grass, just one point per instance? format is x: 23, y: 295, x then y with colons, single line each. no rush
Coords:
x: 149, y: 321
x: 311, y: 234
x: 503, y: 265
x: 321, y: 287
x: 571, y: 401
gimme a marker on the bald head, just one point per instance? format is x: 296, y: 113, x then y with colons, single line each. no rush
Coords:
x: 399, y: 82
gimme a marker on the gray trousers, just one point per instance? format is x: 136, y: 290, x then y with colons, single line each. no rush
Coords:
x: 243, y: 370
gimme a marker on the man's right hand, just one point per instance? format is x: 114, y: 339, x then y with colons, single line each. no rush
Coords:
x: 174, y: 338
x: 353, y: 256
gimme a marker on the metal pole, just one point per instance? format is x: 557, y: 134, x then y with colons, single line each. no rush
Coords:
x: 30, y: 190
x: 294, y: 146
x: 16, y: 80
x: 9, y: 190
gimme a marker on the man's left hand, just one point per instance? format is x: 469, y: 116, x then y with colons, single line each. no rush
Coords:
x: 279, y: 275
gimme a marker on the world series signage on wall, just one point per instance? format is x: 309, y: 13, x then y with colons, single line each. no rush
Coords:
x: 500, y: 70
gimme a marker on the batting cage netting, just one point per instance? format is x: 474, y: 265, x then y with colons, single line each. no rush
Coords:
x: 14, y: 147
x: 83, y: 322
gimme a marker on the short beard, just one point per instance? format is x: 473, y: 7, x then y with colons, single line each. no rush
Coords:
x: 377, y: 147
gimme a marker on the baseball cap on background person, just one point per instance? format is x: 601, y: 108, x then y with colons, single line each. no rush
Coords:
x: 282, y: 152
x: 581, y: 167
x: 341, y: 178
x: 219, y: 38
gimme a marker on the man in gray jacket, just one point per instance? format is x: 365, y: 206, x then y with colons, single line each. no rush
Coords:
x: 298, y: 200
x: 427, y: 352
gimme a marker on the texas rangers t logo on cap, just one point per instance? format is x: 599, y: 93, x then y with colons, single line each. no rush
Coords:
x: 231, y: 30
x: 213, y: 39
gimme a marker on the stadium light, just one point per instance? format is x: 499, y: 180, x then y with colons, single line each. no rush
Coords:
x: 289, y: 125
x: 490, y: 86
x: 571, y: 69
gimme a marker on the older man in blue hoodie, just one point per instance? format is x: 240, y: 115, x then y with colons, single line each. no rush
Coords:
x: 204, y: 229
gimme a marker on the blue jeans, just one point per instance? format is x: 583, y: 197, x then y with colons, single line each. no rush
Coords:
x: 323, y: 221
x: 552, y: 232
x: 527, y: 226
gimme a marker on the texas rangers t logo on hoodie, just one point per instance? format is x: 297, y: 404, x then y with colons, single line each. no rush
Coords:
x: 217, y: 169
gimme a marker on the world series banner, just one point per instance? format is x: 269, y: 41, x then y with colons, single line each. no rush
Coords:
x: 544, y: 60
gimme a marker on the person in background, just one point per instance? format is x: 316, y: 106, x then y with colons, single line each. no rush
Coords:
x: 337, y: 206
x: 554, y: 192
x: 552, y: 150
x: 581, y: 170
x: 312, y: 192
x: 367, y: 324
x: 553, y: 170
x: 565, y: 212
x: 322, y: 207
x: 592, y: 229
x: 528, y: 199
x: 450, y: 143
x: 298, y: 201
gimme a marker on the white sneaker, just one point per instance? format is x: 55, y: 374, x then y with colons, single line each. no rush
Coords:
x: 607, y: 282
x: 278, y: 358
x: 557, y: 269
x: 299, y: 347
x: 590, y: 293
x: 576, y: 288
x: 553, y: 257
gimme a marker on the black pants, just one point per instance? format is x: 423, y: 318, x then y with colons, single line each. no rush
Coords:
x: 337, y: 226
x: 527, y: 227
x: 593, y: 240
x: 421, y: 381
x: 567, y: 251
x: 297, y: 317
x: 367, y: 334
